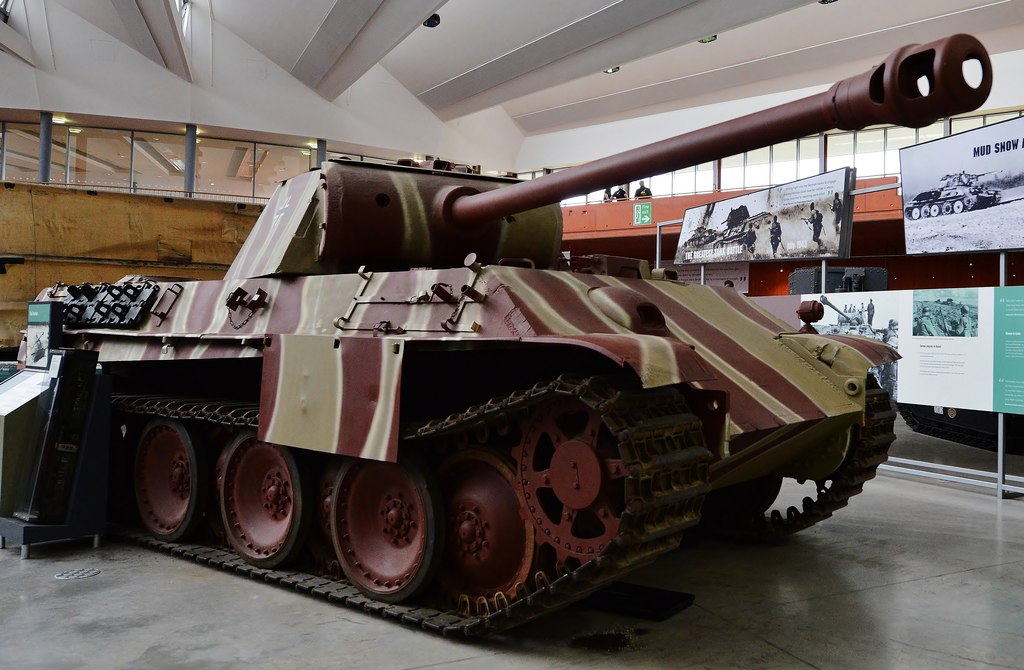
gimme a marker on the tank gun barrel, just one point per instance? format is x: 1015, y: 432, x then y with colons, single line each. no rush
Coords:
x: 842, y: 316
x: 915, y: 86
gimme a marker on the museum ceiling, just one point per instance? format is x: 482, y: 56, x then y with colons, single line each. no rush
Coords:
x: 544, y: 61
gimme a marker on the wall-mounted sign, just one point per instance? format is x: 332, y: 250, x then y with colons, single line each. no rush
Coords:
x: 642, y: 214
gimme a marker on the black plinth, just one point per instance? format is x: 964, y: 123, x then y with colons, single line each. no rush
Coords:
x: 637, y: 601
x: 87, y: 507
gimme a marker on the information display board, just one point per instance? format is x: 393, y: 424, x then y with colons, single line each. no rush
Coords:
x: 965, y: 192
x: 1008, y: 350
x: 809, y: 218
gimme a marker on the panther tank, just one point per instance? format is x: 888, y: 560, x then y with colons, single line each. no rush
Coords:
x: 403, y: 398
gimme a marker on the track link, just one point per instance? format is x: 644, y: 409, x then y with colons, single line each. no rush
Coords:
x: 659, y: 441
x: 870, y: 448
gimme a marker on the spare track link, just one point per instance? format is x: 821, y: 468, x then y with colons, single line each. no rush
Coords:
x: 869, y: 450
x: 660, y: 441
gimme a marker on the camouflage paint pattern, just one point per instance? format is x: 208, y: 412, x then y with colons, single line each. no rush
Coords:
x: 332, y: 348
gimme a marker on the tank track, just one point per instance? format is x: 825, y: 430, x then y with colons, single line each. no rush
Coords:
x: 660, y: 441
x: 958, y: 434
x: 868, y: 451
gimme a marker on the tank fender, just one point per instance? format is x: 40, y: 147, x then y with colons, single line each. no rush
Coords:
x: 657, y: 361
x: 332, y: 395
x: 847, y: 355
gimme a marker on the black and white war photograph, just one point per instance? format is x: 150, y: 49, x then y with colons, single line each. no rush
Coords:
x: 873, y: 314
x: 965, y: 192
x: 808, y: 218
x: 946, y: 312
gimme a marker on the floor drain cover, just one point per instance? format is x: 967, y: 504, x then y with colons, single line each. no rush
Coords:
x: 77, y: 574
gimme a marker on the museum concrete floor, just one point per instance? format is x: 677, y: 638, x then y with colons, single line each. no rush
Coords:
x: 911, y: 575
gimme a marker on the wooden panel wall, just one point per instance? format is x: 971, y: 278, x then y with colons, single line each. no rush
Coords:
x: 74, y: 236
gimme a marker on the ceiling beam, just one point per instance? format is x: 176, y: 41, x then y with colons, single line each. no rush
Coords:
x: 391, y: 24
x: 155, y: 29
x: 341, y: 25
x: 589, y: 30
x: 12, y: 42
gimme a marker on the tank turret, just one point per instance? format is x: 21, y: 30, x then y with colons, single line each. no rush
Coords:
x: 395, y: 382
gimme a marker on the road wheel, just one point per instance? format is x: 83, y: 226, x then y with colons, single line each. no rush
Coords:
x: 171, y: 480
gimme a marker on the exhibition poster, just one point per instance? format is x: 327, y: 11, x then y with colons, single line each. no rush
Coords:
x: 959, y: 347
x: 809, y: 218
x: 965, y: 192
x: 1008, y: 382
x: 948, y: 355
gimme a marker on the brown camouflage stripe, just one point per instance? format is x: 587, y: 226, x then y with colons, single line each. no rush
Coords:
x: 750, y: 355
x: 659, y: 361
x: 730, y: 356
x: 751, y: 310
x: 874, y: 351
x: 316, y: 396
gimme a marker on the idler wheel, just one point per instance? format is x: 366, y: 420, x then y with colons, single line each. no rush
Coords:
x: 170, y: 480
x: 387, y: 526
x: 572, y: 479
x: 489, y: 547
x: 263, y: 502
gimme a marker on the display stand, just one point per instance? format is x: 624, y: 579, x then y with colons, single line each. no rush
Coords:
x: 87, y: 506
x: 638, y: 601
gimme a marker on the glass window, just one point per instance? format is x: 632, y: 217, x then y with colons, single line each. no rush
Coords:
x: 22, y: 152
x: 996, y: 118
x: 661, y: 184
x: 596, y: 196
x: 757, y: 171
x: 705, y: 177
x: 576, y: 200
x: 928, y: 133
x: 870, y: 158
x: 684, y: 181
x: 159, y: 162
x: 962, y: 125
x: 732, y: 173
x: 185, y: 13
x: 839, y: 152
x: 808, y: 157
x: 58, y: 153
x: 896, y: 139
x: 783, y: 167
x: 275, y: 163
x: 99, y: 157
x: 226, y: 166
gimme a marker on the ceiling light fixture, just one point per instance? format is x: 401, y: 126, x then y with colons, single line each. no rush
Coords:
x: 612, y: 70
x: 432, y: 21
x: 826, y: 2
x: 708, y: 40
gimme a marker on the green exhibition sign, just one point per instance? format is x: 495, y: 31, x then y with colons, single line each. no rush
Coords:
x: 1008, y: 351
x: 642, y: 214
